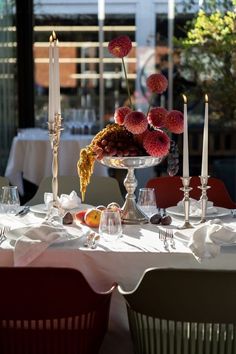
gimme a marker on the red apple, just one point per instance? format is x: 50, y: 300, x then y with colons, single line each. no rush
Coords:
x: 79, y: 216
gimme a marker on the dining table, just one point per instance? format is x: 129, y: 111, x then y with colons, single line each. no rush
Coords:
x: 30, y: 156
x: 123, y: 261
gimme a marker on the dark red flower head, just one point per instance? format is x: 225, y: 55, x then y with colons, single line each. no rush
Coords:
x: 157, y: 83
x: 120, y: 46
x: 174, y: 122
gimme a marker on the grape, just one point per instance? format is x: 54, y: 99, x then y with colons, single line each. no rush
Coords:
x: 173, y: 159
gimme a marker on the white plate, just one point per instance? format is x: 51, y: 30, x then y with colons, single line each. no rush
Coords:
x: 73, y: 234
x: 41, y: 208
x: 221, y: 212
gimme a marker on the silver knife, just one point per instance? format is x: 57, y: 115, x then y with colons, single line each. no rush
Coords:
x: 23, y: 211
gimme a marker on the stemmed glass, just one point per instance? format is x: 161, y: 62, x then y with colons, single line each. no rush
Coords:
x: 90, y: 119
x: 10, y: 200
x: 110, y: 227
x: 80, y: 119
x: 147, y: 201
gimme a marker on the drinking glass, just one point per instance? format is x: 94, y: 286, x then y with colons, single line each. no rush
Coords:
x: 110, y: 227
x: 147, y: 201
x: 10, y: 199
x: 90, y: 119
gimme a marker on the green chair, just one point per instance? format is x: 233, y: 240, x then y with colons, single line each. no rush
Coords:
x: 178, y: 311
x: 101, y: 190
x: 3, y: 181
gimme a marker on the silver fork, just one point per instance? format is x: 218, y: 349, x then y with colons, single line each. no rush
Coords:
x: 170, y: 235
x: 163, y: 237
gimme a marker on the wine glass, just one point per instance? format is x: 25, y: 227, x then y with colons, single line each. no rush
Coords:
x: 147, y: 201
x: 90, y: 119
x: 10, y: 199
x: 110, y: 227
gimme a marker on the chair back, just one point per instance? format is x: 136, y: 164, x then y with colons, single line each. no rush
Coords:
x: 178, y: 311
x: 51, y: 311
x: 3, y: 182
x: 168, y: 191
x: 101, y: 190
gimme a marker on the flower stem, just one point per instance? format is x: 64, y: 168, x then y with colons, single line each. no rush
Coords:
x: 150, y: 103
x: 127, y: 83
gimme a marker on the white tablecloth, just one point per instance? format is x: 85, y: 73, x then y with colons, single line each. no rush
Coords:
x: 31, y: 157
x: 124, y: 262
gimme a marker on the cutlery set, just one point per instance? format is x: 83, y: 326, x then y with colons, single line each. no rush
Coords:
x: 23, y: 211
x: 167, y: 236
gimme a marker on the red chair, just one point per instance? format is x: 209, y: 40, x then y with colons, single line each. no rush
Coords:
x: 51, y: 311
x: 168, y: 191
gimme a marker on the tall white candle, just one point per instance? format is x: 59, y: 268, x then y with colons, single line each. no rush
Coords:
x: 50, y: 84
x: 57, y: 106
x: 185, y: 142
x: 204, y: 172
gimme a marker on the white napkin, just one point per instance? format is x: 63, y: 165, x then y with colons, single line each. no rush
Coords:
x: 207, y: 239
x: 34, y: 242
x: 196, y: 207
x: 67, y: 201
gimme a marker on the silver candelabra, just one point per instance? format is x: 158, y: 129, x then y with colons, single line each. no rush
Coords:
x: 55, y: 212
x: 204, y: 187
x: 186, y: 202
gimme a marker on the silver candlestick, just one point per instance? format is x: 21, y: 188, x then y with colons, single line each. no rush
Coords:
x: 204, y: 187
x: 55, y: 212
x: 186, y: 202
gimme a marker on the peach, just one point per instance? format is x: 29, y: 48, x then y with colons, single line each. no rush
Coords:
x: 92, y: 217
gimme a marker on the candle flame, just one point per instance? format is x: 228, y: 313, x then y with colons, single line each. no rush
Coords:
x: 206, y: 98
x: 54, y: 35
x: 51, y: 39
x: 185, y: 99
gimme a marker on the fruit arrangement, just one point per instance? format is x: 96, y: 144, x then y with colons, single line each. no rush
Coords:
x: 133, y: 133
x: 91, y: 217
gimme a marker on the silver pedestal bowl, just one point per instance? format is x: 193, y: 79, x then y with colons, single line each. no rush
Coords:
x: 131, y: 214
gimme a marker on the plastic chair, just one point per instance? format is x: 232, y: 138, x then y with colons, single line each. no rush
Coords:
x: 168, y: 191
x: 51, y: 311
x: 101, y: 190
x: 3, y: 182
x: 178, y: 311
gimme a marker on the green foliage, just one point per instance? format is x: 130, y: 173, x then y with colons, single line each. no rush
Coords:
x: 209, y: 50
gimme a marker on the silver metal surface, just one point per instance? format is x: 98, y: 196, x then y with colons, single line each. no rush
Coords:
x: 131, y: 214
x: 204, y: 187
x: 186, y: 202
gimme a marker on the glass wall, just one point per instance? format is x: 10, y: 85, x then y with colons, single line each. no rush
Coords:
x: 79, y: 61
x: 8, y: 75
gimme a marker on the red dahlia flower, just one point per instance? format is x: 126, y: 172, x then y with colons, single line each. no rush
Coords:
x: 174, y: 122
x: 156, y: 143
x: 157, y: 83
x: 120, y: 46
x: 156, y: 117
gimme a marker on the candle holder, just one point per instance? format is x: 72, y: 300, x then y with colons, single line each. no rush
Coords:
x: 186, y: 202
x: 204, y: 187
x: 55, y: 211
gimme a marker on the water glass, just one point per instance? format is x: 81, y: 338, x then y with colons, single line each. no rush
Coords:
x: 10, y: 200
x: 110, y: 227
x: 147, y: 201
x: 90, y: 119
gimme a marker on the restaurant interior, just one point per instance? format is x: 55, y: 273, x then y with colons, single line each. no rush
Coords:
x: 118, y: 176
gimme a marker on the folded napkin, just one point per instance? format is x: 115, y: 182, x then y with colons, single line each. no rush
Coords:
x: 196, y: 207
x: 67, y: 201
x: 207, y: 239
x: 34, y: 242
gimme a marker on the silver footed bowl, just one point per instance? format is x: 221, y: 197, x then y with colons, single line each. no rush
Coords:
x: 131, y: 214
x: 131, y: 162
